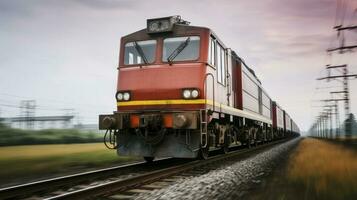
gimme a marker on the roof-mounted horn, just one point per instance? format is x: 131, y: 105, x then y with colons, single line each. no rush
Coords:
x: 164, y: 24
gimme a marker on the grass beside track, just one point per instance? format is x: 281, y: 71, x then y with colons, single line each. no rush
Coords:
x: 324, y: 170
x: 23, y: 163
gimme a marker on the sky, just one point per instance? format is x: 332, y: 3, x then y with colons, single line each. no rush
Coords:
x: 64, y: 54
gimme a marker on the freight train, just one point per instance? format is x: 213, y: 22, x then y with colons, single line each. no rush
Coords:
x: 182, y: 93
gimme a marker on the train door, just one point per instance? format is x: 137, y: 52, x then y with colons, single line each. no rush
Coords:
x: 260, y: 100
x: 237, y: 83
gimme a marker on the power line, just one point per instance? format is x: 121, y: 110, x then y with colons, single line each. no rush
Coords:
x: 319, y: 128
x: 341, y: 28
x: 342, y: 48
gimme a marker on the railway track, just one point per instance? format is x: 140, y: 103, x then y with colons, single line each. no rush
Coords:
x: 124, y: 182
x: 131, y: 187
x: 51, y: 187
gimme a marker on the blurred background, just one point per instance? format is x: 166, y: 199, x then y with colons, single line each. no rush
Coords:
x: 58, y: 63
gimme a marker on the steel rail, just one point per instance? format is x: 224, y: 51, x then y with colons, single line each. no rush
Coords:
x: 126, y: 184
x: 53, y: 183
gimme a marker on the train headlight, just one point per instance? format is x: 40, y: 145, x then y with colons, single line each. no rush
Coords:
x: 126, y: 96
x: 194, y: 93
x: 190, y: 93
x: 186, y: 94
x: 123, y: 96
x: 119, y: 96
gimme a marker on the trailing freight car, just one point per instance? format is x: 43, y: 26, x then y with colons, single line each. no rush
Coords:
x: 294, y: 128
x: 278, y: 121
x: 287, y: 123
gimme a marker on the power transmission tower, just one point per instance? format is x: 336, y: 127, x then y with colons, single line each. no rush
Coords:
x: 337, y: 113
x: 28, y: 108
x: 343, y: 48
x: 318, y: 127
x: 345, y: 76
x: 67, y: 112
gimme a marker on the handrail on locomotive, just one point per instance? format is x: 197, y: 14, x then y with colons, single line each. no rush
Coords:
x: 204, y: 119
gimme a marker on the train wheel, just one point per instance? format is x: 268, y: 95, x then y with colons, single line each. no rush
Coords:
x: 227, y: 140
x: 204, y: 153
x: 249, y: 144
x: 225, y: 149
x: 250, y: 138
x: 149, y: 158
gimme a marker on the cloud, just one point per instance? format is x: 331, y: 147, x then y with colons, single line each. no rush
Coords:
x: 316, y: 9
x: 108, y: 4
x: 69, y: 49
x: 15, y: 9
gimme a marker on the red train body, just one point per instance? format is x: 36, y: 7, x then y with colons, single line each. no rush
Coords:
x: 278, y: 120
x: 181, y: 93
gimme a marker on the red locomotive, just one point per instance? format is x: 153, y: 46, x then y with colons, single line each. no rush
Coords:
x: 181, y: 93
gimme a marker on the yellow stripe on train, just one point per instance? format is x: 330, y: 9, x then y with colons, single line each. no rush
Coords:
x: 193, y: 101
x: 163, y: 102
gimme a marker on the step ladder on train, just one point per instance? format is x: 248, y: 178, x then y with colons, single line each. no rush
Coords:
x: 204, y: 127
x: 204, y: 113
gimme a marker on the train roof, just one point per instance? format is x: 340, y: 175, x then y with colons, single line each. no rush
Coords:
x: 179, y: 29
x: 182, y: 27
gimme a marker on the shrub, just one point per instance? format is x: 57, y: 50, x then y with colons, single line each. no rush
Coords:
x: 9, y: 136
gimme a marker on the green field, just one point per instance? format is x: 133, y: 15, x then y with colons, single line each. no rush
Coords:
x: 20, y: 164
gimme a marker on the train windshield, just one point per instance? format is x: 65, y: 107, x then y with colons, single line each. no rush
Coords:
x: 140, y: 52
x: 181, y: 48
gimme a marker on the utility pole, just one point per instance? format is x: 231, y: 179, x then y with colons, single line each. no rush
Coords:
x: 337, y: 120
x: 319, y: 126
x: 343, y: 49
x: 334, y: 107
x: 345, y: 76
x: 337, y: 112
x: 329, y: 116
x: 324, y: 124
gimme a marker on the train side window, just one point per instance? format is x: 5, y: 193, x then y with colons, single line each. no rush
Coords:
x: 219, y: 63
x: 212, y: 52
x: 223, y: 57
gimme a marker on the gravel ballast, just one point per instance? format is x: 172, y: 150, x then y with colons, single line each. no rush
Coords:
x: 228, y: 182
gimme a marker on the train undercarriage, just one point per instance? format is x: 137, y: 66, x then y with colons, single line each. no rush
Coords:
x: 191, y: 135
